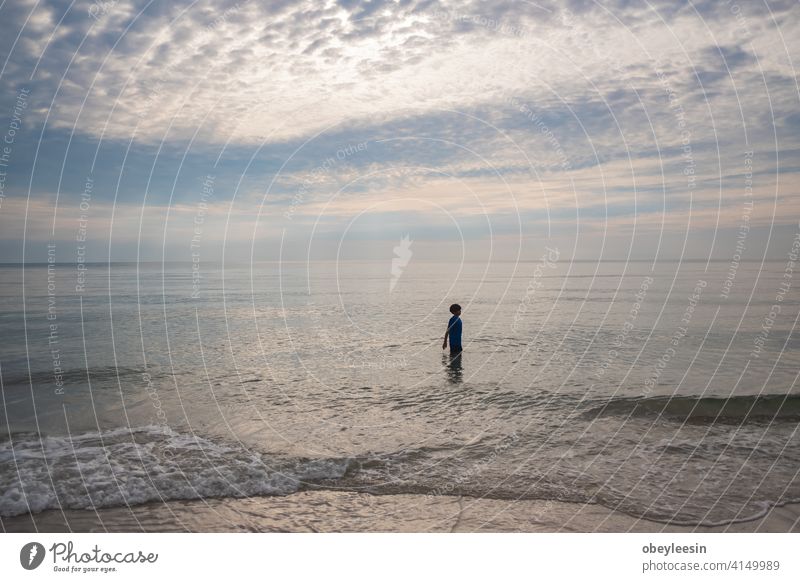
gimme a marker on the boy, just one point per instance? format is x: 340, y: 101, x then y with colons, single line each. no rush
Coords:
x: 454, y: 330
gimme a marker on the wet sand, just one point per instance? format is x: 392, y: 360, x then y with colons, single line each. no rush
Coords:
x: 330, y: 511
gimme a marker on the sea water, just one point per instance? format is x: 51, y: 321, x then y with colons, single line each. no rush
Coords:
x: 663, y: 390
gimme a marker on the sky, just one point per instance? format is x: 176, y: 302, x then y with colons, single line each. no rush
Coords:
x: 245, y: 130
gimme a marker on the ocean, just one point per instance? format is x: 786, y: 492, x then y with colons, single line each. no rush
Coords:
x: 665, y: 391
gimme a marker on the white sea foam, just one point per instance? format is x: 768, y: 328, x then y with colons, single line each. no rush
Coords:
x: 133, y: 466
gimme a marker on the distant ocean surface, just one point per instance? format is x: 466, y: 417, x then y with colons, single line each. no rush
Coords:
x: 666, y: 392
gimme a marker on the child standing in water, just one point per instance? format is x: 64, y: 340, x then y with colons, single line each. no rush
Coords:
x: 454, y: 330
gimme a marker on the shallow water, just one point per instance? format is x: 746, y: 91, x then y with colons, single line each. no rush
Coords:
x: 642, y: 389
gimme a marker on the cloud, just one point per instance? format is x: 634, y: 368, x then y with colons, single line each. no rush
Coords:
x: 584, y: 107
x: 252, y: 72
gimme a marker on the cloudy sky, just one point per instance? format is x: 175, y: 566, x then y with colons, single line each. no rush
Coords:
x: 239, y: 129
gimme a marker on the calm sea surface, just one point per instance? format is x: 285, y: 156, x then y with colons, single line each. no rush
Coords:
x: 652, y: 391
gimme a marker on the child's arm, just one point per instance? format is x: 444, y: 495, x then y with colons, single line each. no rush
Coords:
x: 446, y: 333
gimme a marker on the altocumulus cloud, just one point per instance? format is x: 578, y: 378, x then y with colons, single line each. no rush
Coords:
x: 580, y: 119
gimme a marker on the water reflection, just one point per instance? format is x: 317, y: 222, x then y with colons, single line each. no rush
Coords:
x: 452, y: 364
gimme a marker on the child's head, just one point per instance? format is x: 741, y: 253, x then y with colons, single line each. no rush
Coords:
x: 455, y: 309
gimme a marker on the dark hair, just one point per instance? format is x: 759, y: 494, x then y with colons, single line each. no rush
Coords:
x: 455, y: 307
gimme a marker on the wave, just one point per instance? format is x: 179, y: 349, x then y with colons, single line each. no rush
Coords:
x: 706, y: 409
x: 76, y: 376
x: 132, y: 466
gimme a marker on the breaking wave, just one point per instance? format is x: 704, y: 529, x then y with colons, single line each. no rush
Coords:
x: 132, y: 466
x: 704, y: 410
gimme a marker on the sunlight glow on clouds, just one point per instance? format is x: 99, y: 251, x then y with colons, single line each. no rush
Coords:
x: 584, y: 117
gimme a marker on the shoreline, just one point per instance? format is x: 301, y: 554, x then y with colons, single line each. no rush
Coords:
x: 338, y: 511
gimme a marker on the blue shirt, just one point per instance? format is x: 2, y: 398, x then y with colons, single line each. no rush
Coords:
x: 454, y: 331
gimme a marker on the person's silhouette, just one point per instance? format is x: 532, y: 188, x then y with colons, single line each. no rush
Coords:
x: 453, y: 332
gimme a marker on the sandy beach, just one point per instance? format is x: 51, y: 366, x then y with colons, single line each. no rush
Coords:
x: 328, y: 511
